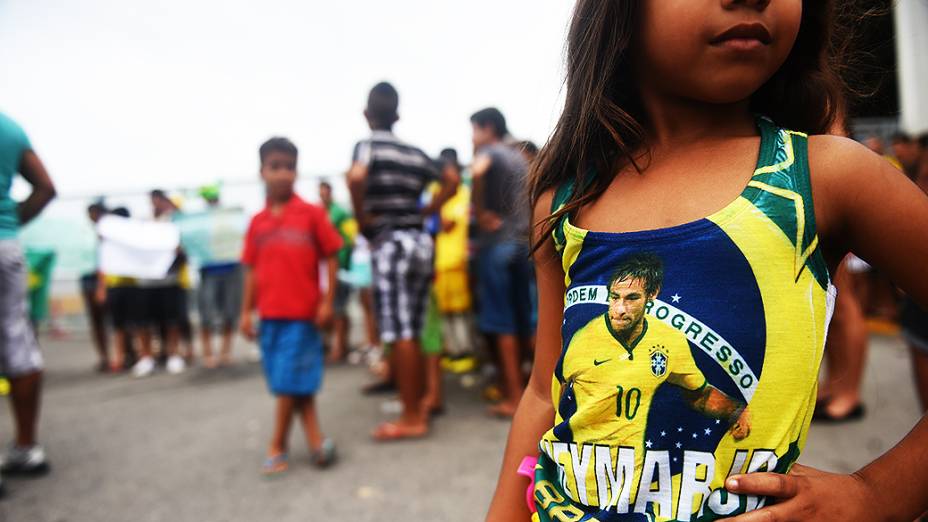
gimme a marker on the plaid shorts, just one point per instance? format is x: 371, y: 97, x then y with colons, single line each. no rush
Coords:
x: 19, y: 351
x: 402, y: 270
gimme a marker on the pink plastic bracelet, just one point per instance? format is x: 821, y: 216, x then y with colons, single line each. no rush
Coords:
x: 527, y: 469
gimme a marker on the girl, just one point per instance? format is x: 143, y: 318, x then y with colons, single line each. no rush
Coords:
x: 684, y: 271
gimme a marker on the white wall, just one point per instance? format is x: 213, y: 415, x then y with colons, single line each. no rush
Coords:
x: 912, y: 55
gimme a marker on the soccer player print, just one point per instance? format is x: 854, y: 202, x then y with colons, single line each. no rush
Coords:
x: 634, y: 285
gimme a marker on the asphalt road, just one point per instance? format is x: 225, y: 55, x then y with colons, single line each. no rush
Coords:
x: 189, y: 447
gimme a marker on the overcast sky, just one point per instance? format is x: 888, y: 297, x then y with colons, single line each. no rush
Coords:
x: 121, y: 95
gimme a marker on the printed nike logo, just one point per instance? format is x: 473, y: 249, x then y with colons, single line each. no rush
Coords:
x: 597, y: 363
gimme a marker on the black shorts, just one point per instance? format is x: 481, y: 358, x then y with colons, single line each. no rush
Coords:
x: 125, y: 306
x: 163, y: 305
x: 914, y: 322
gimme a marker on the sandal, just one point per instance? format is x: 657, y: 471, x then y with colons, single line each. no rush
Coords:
x: 275, y: 465
x: 822, y: 415
x: 393, y: 431
x: 325, y: 456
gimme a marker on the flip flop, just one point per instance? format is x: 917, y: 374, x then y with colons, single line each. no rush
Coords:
x: 821, y: 414
x: 325, y: 456
x: 275, y: 465
x: 394, y: 431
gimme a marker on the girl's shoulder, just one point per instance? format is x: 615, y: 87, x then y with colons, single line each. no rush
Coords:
x: 839, y: 166
x: 828, y: 153
x: 544, y: 204
x: 842, y: 174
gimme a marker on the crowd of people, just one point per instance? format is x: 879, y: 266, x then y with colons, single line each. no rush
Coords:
x: 420, y: 245
x: 435, y: 253
x: 139, y: 310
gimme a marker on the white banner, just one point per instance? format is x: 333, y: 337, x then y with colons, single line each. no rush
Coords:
x: 136, y: 248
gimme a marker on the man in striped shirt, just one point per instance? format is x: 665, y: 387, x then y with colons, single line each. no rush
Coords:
x: 387, y: 180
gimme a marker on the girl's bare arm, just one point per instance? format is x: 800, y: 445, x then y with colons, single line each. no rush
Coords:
x: 535, y: 414
x: 865, y: 206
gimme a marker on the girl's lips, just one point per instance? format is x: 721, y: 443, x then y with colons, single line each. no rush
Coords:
x: 743, y: 36
x: 741, y: 44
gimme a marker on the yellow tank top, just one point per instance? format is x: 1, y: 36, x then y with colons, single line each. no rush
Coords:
x: 689, y: 354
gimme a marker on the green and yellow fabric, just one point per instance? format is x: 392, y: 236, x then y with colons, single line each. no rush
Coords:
x: 40, y: 264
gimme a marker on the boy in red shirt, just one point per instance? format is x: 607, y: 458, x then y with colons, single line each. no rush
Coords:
x: 283, y: 247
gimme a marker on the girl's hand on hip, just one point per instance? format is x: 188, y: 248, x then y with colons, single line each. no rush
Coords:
x: 806, y: 494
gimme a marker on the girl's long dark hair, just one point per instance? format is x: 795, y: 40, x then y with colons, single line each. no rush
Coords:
x: 600, y: 127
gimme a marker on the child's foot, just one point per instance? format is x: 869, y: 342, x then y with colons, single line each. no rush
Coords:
x: 29, y: 461
x: 176, y: 365
x: 392, y: 431
x: 503, y: 410
x: 275, y: 465
x: 325, y: 456
x: 209, y: 362
x: 144, y: 367
x: 225, y: 360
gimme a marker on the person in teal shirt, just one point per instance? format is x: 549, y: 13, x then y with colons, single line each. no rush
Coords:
x: 20, y: 360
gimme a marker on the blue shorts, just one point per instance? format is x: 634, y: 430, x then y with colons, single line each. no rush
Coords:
x: 291, y: 353
x: 505, y: 290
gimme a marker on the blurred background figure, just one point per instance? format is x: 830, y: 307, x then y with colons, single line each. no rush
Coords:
x: 906, y: 151
x: 285, y: 246
x: 452, y: 279
x: 124, y: 303
x: 528, y: 149
x: 913, y: 318
x: 164, y: 305
x: 20, y: 359
x: 347, y: 228
x: 387, y: 181
x: 845, y: 355
x: 504, y: 271
x: 96, y: 311
x: 219, y: 297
